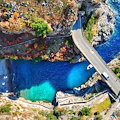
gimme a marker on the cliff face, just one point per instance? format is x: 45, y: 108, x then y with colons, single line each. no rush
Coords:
x: 104, y: 27
x: 60, y: 15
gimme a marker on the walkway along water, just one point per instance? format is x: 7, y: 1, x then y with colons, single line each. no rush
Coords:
x: 87, y: 103
x: 93, y: 57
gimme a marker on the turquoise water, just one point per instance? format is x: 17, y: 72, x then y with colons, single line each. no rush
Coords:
x: 40, y: 81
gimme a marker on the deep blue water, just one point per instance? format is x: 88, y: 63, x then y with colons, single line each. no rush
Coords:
x: 40, y: 81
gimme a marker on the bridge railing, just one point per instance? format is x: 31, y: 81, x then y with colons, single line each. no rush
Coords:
x: 97, y: 52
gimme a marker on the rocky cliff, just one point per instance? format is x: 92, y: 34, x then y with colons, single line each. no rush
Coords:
x: 60, y: 18
x: 104, y: 27
x: 106, y: 24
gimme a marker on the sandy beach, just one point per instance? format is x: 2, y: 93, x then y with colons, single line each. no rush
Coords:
x: 5, y: 76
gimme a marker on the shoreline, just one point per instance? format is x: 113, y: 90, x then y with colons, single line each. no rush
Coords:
x: 5, y: 76
x: 42, y: 104
x: 8, y: 65
x: 9, y: 74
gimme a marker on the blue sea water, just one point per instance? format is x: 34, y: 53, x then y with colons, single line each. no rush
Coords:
x: 40, y: 81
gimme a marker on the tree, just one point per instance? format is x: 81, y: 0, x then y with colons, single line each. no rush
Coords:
x: 85, y: 111
x: 50, y: 116
x: 116, y: 70
x: 59, y: 111
x: 5, y: 108
x: 41, y: 28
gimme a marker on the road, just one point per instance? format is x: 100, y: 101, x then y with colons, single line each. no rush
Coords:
x: 93, y: 57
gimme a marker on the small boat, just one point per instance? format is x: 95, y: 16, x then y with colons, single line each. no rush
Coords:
x: 3, y: 83
x: 5, y: 77
x: 89, y: 66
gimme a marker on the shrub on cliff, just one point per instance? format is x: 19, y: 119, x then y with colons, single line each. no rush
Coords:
x: 85, y: 111
x: 117, y: 71
x: 37, y: 59
x: 1, y: 1
x: 41, y: 28
x: 50, y: 116
x: 99, y: 117
x: 59, y: 112
x: 5, y: 108
x: 89, y: 28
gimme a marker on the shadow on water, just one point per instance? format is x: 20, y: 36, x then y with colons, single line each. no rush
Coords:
x: 12, y: 97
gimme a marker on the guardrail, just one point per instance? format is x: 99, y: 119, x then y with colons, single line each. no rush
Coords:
x: 96, y: 54
x: 87, y: 101
x: 59, y: 36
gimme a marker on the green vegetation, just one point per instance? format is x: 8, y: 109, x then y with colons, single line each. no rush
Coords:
x: 38, y: 1
x: 92, y: 95
x: 59, y: 112
x: 7, y: 17
x: 41, y: 47
x: 85, y: 111
x: 65, y: 6
x: 71, y: 112
x: 88, y: 27
x: 99, y: 117
x: 37, y: 59
x: 54, y: 114
x: 41, y: 28
x: 75, y: 118
x: 117, y: 71
x: 1, y: 1
x: 51, y: 116
x: 5, y: 108
x: 102, y: 106
x: 14, y: 57
x: 79, y: 7
x: 82, y: 7
x: 24, y: 14
x: 37, y: 117
x: 43, y: 113
x: 68, y: 41
x: 2, y: 58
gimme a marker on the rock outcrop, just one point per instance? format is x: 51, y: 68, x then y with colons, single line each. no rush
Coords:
x: 105, y: 26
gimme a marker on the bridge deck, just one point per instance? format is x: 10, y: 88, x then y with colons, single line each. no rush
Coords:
x: 93, y: 57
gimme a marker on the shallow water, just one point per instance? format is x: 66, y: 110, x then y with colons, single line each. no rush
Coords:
x: 40, y: 81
